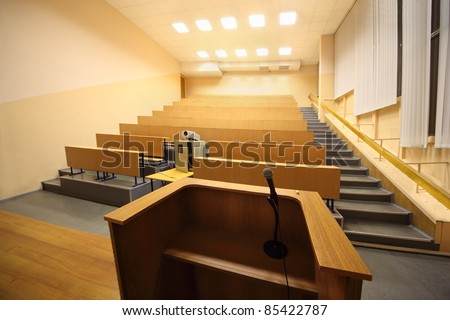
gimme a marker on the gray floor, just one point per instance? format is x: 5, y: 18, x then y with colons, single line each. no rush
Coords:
x: 61, y: 210
x: 396, y: 275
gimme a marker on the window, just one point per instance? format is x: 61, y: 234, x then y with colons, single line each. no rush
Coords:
x: 434, y: 64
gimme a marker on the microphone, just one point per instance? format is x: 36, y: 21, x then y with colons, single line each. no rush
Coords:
x: 267, y: 173
x: 273, y: 248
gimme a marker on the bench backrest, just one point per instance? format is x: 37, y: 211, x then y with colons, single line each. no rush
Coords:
x: 149, y: 145
x: 268, y: 152
x: 236, y: 114
x: 323, y: 179
x: 124, y: 162
x: 293, y: 125
x: 206, y: 134
x: 244, y: 110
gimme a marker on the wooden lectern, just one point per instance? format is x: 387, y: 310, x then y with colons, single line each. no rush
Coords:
x: 200, y: 239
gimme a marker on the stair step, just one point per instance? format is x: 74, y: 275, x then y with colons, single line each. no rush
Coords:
x: 318, y: 125
x: 335, y: 147
x: 335, y: 144
x: 367, y: 210
x: 311, y: 119
x: 116, y: 192
x: 388, y: 234
x: 328, y: 140
x: 366, y: 194
x: 64, y: 172
x: 320, y: 130
x: 327, y: 134
x: 343, y: 161
x: 353, y: 170
x: 336, y: 152
x: 350, y: 180
x: 53, y: 185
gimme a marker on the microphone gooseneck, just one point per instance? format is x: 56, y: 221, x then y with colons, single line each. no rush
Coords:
x: 273, y: 248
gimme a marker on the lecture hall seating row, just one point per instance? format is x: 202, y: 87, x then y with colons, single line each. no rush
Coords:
x: 271, y: 143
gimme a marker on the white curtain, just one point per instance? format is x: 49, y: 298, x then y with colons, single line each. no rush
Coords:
x: 443, y: 96
x: 344, y: 50
x: 375, y: 55
x: 364, y: 66
x: 385, y: 57
x: 415, y: 73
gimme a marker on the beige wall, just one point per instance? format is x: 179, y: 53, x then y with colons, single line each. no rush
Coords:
x: 299, y: 84
x: 326, y: 67
x: 71, y: 69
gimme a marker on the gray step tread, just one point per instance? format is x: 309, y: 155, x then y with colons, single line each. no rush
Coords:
x: 318, y: 124
x: 385, y: 229
x: 344, y: 169
x: 341, y: 151
x: 120, y: 182
x: 369, y: 206
x: 54, y: 182
x: 358, y: 178
x: 344, y: 158
x: 362, y: 190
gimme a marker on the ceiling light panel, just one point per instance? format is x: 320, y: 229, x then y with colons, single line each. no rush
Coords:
x: 203, y: 54
x: 288, y: 18
x: 229, y: 23
x: 241, y: 52
x: 203, y: 25
x: 257, y: 20
x: 180, y: 27
x: 221, y: 53
x: 262, y: 52
x: 285, y: 51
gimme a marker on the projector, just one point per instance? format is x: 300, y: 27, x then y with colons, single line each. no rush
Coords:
x: 190, y: 135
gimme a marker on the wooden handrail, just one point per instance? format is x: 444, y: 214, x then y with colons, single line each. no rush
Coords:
x: 437, y: 192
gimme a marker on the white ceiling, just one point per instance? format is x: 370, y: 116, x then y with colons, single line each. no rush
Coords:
x: 314, y: 18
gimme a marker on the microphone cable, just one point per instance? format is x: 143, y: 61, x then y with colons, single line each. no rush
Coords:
x: 284, y: 258
x: 285, y: 271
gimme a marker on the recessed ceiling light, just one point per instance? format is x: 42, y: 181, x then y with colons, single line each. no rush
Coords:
x: 203, y: 25
x: 241, y: 52
x: 257, y: 20
x: 262, y: 52
x: 285, y: 51
x: 221, y: 53
x: 229, y: 23
x: 180, y: 27
x: 203, y: 54
x: 288, y: 18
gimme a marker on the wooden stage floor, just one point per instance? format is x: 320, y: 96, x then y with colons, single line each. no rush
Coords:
x: 39, y: 260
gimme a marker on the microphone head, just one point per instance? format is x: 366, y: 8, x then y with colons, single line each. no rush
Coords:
x: 267, y: 173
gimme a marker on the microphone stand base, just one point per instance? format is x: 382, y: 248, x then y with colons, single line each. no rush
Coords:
x: 275, y: 249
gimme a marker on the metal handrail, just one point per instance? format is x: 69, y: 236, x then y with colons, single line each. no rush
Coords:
x: 437, y: 192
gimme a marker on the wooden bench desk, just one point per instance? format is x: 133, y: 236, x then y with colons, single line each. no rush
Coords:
x: 114, y: 161
x: 208, y: 133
